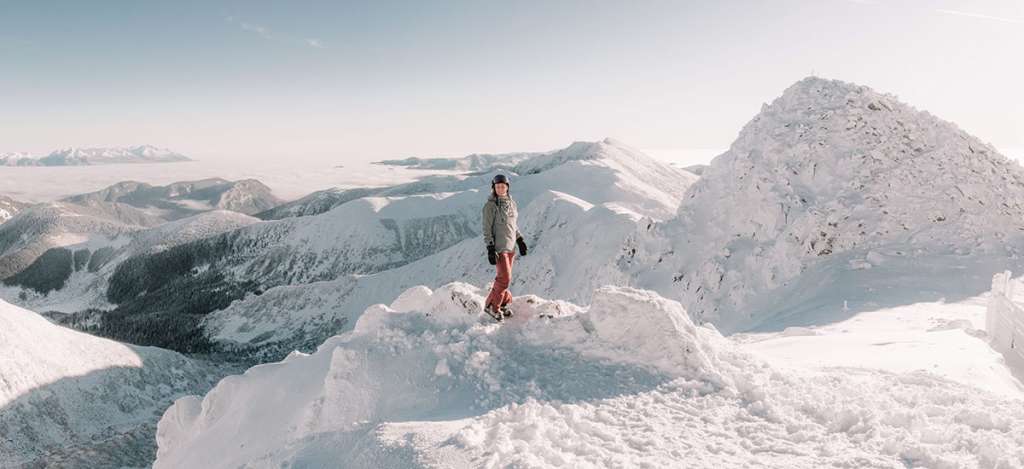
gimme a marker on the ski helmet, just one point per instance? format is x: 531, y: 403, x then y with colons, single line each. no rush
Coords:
x: 500, y: 178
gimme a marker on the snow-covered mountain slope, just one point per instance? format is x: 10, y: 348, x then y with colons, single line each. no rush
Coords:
x: 36, y: 229
x: 92, y: 156
x: 575, y: 247
x: 370, y: 235
x: 9, y: 208
x: 318, y: 202
x: 584, y: 210
x: 598, y: 172
x: 828, y: 168
x: 182, y: 199
x: 69, y: 399
x: 74, y: 278
x: 477, y: 162
x: 628, y: 381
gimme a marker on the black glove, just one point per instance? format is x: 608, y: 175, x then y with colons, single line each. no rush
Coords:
x: 491, y: 256
x: 522, y: 246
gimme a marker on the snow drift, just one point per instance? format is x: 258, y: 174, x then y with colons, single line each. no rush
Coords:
x: 628, y: 381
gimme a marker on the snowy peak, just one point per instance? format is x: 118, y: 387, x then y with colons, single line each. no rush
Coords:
x: 90, y: 156
x: 830, y: 148
x: 607, y: 149
x: 830, y: 167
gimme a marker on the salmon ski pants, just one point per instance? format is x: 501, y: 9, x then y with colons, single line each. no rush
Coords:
x: 500, y: 296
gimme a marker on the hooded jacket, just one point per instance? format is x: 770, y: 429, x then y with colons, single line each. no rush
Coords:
x: 499, y: 218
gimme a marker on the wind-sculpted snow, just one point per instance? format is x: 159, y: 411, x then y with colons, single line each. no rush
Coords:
x: 69, y: 399
x: 831, y: 167
x: 628, y: 381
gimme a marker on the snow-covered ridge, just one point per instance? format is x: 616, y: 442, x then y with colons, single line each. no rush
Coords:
x: 185, y: 198
x: 72, y: 399
x: 91, y: 156
x: 474, y: 162
x: 598, y: 172
x: 629, y: 380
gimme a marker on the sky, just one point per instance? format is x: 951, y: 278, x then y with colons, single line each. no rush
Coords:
x: 345, y: 81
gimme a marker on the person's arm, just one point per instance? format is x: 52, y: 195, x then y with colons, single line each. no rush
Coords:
x: 488, y: 219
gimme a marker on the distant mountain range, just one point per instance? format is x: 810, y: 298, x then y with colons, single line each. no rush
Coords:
x: 94, y: 156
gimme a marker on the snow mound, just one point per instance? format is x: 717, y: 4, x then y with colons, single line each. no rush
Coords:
x: 433, y: 356
x: 629, y: 381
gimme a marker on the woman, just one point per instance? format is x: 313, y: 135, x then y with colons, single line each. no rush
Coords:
x: 502, y: 236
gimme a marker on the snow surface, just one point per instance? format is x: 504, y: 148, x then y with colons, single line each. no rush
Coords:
x: 72, y: 399
x: 629, y: 381
x: 940, y: 338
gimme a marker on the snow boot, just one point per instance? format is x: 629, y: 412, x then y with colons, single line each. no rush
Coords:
x: 494, y: 313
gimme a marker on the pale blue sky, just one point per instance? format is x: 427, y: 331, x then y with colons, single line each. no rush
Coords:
x: 346, y: 80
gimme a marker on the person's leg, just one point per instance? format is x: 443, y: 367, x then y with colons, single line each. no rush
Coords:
x: 501, y: 280
x: 506, y: 296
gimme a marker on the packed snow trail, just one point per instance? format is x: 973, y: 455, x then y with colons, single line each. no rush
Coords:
x: 629, y: 381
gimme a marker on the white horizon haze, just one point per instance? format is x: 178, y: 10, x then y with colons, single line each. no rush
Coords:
x: 338, y: 81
